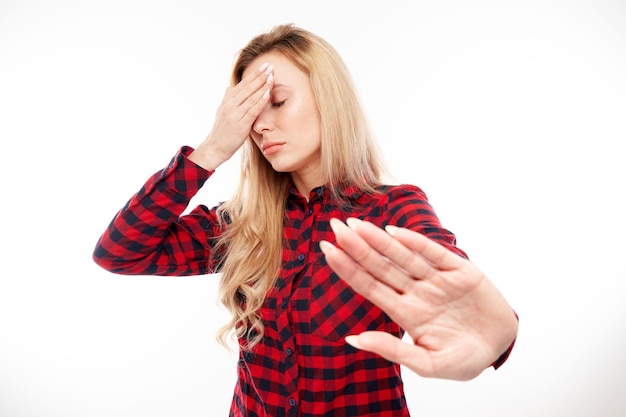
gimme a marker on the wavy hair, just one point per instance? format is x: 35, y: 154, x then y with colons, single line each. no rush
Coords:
x: 253, y: 240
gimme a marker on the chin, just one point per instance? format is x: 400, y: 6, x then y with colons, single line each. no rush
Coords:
x: 278, y: 167
x: 283, y: 170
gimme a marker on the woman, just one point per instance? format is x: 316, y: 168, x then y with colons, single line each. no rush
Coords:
x: 298, y: 280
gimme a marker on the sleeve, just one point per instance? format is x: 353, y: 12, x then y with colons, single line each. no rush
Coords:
x: 150, y: 236
x: 502, y: 358
x: 408, y: 207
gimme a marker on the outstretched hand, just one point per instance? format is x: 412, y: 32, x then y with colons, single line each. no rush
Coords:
x: 458, y: 321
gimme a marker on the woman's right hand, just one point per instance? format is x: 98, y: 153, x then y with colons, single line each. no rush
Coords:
x: 240, y: 107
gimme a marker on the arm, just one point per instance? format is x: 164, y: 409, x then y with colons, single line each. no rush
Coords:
x: 149, y: 235
x: 458, y: 321
x: 409, y: 208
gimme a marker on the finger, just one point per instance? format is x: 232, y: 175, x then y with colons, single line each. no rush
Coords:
x: 369, y: 259
x: 253, y: 83
x: 395, y: 350
x: 349, y: 270
x: 433, y: 252
x: 253, y: 106
x: 408, y: 260
x: 365, y: 284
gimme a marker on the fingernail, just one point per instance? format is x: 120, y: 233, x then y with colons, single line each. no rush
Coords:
x: 269, y: 70
x: 392, y: 230
x: 335, y: 223
x: 269, y: 79
x: 262, y: 68
x: 352, y: 340
x: 326, y: 247
x: 266, y: 94
x: 353, y: 222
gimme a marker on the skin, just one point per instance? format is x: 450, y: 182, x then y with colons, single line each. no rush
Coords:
x: 290, y: 120
x: 240, y: 107
x: 457, y: 320
x: 277, y: 107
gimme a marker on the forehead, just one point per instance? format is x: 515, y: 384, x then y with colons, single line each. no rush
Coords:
x: 283, y: 66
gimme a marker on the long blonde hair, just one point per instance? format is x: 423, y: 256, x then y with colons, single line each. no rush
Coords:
x: 253, y: 240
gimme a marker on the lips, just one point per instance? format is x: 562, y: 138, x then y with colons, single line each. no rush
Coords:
x: 271, y: 147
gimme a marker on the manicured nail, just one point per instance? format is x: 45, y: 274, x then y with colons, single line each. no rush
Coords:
x: 326, y: 247
x: 335, y: 223
x: 262, y: 68
x: 353, y: 222
x: 269, y: 70
x: 269, y: 79
x: 352, y: 340
x: 392, y: 230
x: 266, y: 94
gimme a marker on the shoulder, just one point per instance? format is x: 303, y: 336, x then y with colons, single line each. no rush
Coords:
x: 396, y: 203
x: 391, y: 193
x: 405, y: 204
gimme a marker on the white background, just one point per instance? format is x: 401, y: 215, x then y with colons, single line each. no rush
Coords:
x: 509, y: 114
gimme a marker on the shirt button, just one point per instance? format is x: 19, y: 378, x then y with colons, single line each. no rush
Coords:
x: 301, y: 257
x: 283, y: 303
x: 309, y: 212
x: 292, y: 402
x: 289, y: 351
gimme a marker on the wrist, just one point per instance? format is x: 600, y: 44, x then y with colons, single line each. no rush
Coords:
x: 207, y: 158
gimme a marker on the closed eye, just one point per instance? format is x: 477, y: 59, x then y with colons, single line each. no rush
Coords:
x: 278, y: 104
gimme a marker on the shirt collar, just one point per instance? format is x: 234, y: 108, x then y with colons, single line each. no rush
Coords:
x: 322, y: 193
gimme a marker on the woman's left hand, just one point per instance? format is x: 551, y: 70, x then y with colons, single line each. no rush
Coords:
x: 457, y: 319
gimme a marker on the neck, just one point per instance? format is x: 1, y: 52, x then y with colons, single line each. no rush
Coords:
x: 306, y: 182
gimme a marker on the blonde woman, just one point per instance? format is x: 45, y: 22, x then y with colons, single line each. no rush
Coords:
x: 323, y: 267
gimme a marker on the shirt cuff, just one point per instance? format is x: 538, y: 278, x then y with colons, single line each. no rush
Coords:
x: 500, y: 361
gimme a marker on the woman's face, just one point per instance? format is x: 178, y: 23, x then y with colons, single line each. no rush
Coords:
x: 288, y: 129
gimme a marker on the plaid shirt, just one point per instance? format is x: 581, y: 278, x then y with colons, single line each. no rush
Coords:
x: 302, y: 367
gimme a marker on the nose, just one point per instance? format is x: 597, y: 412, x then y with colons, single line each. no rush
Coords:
x: 263, y: 122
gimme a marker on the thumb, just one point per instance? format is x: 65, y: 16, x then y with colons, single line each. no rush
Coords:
x: 393, y: 349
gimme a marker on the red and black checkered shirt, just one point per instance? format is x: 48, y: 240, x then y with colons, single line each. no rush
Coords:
x: 302, y: 367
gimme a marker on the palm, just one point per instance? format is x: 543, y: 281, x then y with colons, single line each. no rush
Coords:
x: 457, y: 320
